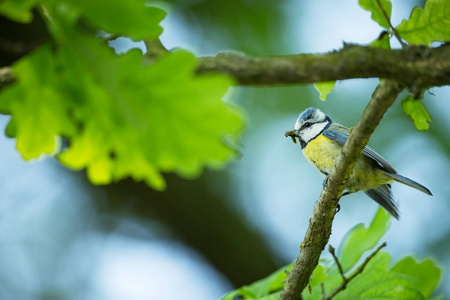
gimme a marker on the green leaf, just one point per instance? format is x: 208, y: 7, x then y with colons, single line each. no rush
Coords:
x: 427, y: 274
x: 383, y: 41
x: 262, y: 289
x: 11, y: 130
x: 273, y: 296
x: 361, y: 239
x: 39, y: 114
x: 378, y: 282
x: 319, y: 275
x: 241, y: 293
x: 148, y: 119
x: 377, y: 12
x: 322, y: 273
x: 418, y: 113
x: 324, y: 88
x: 17, y: 10
x: 428, y: 24
x: 408, y: 279
x: 122, y: 118
x: 129, y: 18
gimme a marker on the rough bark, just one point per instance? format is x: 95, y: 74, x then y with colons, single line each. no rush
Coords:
x: 414, y: 66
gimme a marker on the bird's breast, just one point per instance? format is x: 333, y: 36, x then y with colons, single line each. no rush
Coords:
x: 322, y: 152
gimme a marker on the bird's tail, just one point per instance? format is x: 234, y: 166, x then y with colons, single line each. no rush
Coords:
x: 383, y: 195
x: 409, y: 182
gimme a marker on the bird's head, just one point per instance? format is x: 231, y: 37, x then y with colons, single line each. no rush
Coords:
x: 310, y: 123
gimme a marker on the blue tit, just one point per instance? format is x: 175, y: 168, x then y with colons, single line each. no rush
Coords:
x: 321, y: 141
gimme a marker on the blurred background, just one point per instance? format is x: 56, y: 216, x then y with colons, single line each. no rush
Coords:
x: 62, y: 238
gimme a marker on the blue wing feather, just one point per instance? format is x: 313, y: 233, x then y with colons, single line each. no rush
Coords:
x: 368, y: 152
x: 341, y: 138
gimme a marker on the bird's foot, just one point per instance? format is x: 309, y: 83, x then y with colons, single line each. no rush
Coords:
x: 338, y: 208
x: 325, y: 181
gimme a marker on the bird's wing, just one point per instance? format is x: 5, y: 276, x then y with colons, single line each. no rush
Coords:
x: 341, y: 138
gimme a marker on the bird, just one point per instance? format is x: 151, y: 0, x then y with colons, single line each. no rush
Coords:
x: 321, y: 141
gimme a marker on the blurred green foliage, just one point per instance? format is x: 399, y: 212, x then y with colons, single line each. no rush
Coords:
x: 131, y: 18
x: 361, y: 239
x: 253, y: 26
x: 122, y: 118
x: 407, y: 279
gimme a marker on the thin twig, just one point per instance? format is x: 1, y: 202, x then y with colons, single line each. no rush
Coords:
x: 358, y: 271
x: 110, y: 37
x: 366, y: 261
x: 390, y: 24
x: 336, y: 260
x: 6, y: 76
x: 155, y: 48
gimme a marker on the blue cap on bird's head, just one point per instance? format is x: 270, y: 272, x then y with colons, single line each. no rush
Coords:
x: 311, y: 115
x: 308, y: 113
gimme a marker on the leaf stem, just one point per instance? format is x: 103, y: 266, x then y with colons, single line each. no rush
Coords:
x: 390, y: 24
x: 358, y: 271
x: 322, y: 289
x: 336, y: 260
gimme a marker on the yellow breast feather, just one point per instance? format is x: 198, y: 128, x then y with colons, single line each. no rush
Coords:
x: 322, y: 152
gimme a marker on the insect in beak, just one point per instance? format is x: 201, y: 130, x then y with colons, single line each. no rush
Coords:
x: 291, y: 133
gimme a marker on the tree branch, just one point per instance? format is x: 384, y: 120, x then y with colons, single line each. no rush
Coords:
x: 336, y: 260
x: 319, y: 229
x: 415, y: 66
x: 6, y: 76
x: 155, y: 48
x: 359, y: 270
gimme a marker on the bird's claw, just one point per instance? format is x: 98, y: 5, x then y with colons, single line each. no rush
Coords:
x: 325, y: 181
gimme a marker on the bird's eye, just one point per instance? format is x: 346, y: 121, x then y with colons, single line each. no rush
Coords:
x: 307, y: 124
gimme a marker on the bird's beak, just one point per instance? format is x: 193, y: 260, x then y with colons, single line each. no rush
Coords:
x: 291, y: 133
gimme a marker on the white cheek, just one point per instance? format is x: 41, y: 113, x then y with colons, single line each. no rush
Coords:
x: 309, y: 133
